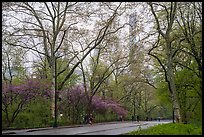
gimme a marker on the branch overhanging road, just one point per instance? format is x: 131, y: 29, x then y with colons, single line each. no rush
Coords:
x: 113, y: 128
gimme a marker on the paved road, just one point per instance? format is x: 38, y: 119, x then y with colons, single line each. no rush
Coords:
x: 115, y: 128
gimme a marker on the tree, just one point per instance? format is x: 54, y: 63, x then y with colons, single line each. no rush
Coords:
x: 76, y: 99
x: 99, y: 76
x: 179, y: 26
x: 49, y: 28
x: 15, y: 103
x: 189, y: 22
x: 100, y: 70
x: 187, y: 84
x: 165, y: 31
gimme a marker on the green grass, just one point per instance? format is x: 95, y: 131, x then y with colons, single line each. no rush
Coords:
x: 170, y: 129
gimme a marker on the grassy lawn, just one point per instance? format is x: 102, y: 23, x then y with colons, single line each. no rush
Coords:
x: 170, y: 129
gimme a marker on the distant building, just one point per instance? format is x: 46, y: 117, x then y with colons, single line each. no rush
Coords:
x: 132, y: 36
x: 132, y: 33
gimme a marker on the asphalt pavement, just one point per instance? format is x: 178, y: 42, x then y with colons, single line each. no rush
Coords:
x: 107, y: 128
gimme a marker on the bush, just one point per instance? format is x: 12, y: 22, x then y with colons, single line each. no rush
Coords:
x: 22, y: 121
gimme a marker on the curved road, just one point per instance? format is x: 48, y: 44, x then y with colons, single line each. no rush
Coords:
x: 112, y: 128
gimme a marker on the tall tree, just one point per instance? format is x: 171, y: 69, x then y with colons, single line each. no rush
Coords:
x: 165, y: 30
x: 189, y: 23
x: 48, y: 29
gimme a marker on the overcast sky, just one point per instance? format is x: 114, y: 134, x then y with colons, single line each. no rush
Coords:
x: 123, y: 19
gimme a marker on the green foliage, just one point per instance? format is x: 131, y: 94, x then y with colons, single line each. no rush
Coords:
x: 36, y: 114
x: 163, y: 94
x: 99, y: 71
x: 170, y: 129
x: 107, y: 116
x: 42, y: 71
x: 163, y: 100
x: 61, y: 64
x: 188, y: 85
x: 23, y: 121
x: 39, y: 111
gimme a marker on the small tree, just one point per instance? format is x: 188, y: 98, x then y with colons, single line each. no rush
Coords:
x: 15, y: 103
x: 76, y: 99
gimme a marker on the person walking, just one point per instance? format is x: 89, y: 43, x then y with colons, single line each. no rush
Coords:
x: 137, y: 118
x: 121, y: 118
x: 90, y: 119
x: 133, y: 118
x: 86, y: 120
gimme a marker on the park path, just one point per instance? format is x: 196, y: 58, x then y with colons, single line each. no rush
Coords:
x: 109, y: 128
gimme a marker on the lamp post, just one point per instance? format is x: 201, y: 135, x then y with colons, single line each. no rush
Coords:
x: 55, y: 120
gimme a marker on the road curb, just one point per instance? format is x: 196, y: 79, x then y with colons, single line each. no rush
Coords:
x: 39, y: 129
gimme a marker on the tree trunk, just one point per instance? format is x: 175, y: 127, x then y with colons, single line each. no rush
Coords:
x: 172, y: 86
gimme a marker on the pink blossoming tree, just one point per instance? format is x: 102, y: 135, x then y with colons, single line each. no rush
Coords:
x: 15, y: 98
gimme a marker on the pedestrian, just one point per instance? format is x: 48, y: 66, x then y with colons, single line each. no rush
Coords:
x: 90, y: 119
x: 86, y: 119
x: 137, y: 118
x: 133, y: 118
x: 121, y: 118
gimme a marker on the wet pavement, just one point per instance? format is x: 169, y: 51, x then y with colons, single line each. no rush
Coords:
x: 109, y: 128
